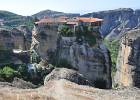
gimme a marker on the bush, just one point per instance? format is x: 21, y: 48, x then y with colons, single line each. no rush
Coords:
x: 65, y: 31
x: 8, y: 73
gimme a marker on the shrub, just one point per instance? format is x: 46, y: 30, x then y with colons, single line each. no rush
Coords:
x: 8, y: 73
x: 65, y: 31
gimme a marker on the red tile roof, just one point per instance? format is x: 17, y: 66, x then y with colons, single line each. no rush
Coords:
x: 67, y: 20
x: 85, y: 19
x: 53, y: 20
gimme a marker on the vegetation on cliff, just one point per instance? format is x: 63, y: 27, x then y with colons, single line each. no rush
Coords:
x: 82, y: 33
x: 65, y: 31
x: 8, y: 72
x: 113, y: 47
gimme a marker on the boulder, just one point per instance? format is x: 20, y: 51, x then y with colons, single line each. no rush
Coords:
x: 19, y: 83
x: 68, y: 74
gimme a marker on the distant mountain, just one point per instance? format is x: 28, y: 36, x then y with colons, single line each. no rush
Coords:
x: 51, y: 13
x: 9, y: 19
x: 116, y: 22
x: 6, y: 14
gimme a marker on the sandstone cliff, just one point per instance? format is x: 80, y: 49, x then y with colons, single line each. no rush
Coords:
x: 128, y: 63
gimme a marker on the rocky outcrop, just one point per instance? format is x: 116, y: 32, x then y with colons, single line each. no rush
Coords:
x: 117, y: 21
x: 18, y: 83
x: 128, y: 63
x: 93, y: 62
x: 11, y: 39
x: 66, y: 90
x: 68, y: 74
x: 15, y: 38
x: 27, y: 35
x: 44, y: 40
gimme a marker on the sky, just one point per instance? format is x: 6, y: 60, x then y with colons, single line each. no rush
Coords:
x: 29, y: 7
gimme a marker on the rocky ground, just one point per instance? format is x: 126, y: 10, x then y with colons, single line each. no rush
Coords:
x: 66, y: 90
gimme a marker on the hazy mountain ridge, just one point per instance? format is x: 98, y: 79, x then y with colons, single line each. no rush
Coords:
x: 51, y: 13
x: 116, y: 22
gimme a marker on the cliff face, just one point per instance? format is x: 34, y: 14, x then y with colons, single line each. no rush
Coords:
x: 93, y: 62
x: 117, y: 21
x: 44, y: 40
x: 13, y: 39
x: 128, y: 63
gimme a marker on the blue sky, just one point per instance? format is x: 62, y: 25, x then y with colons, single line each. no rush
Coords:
x: 29, y: 7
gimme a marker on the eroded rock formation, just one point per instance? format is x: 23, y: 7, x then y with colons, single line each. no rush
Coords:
x: 128, y: 63
x: 91, y: 61
x: 68, y: 74
x: 44, y: 40
x: 11, y: 39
